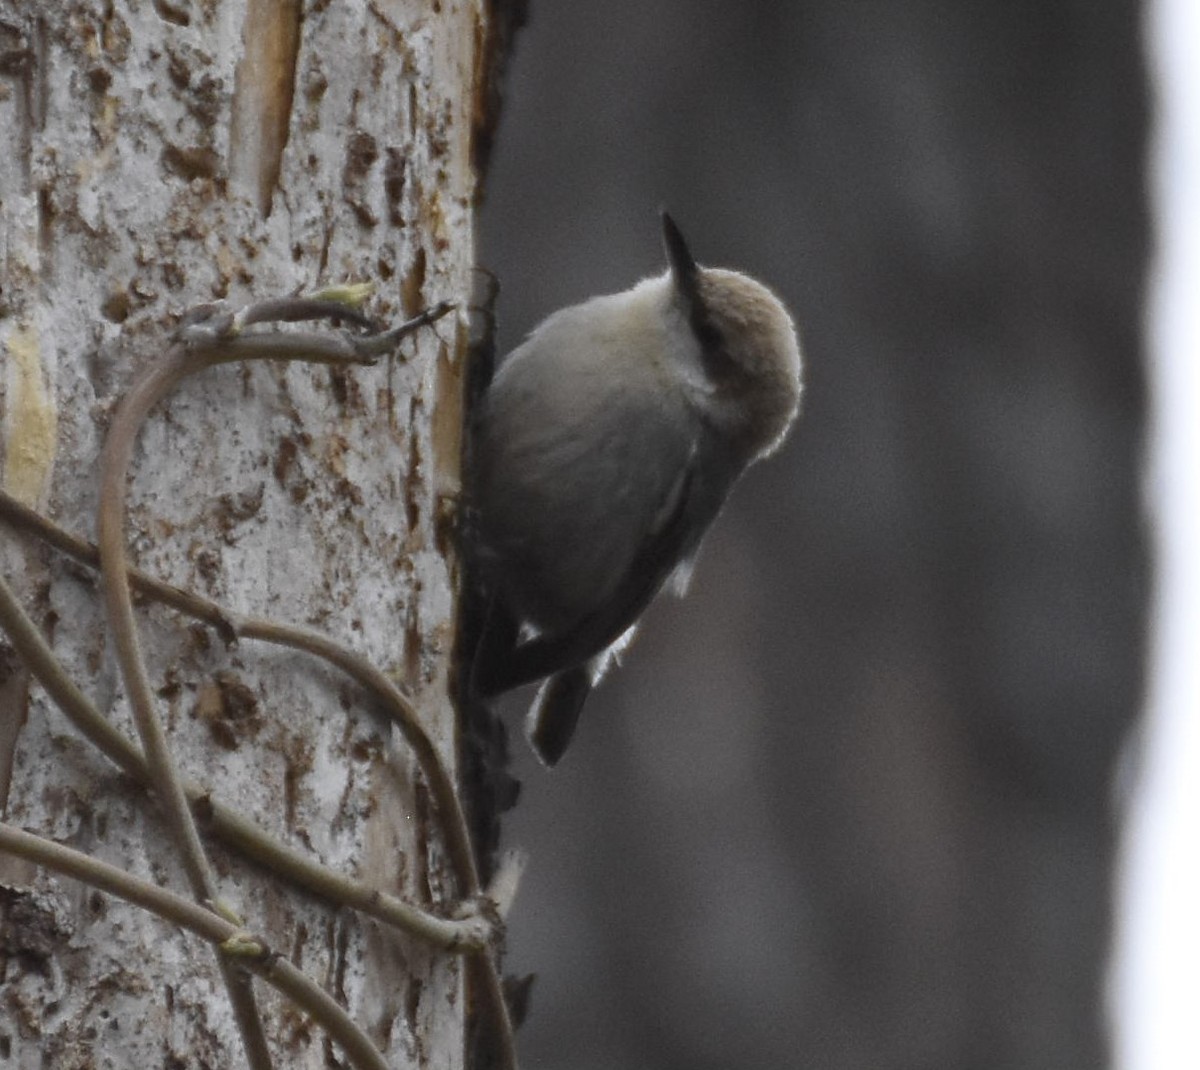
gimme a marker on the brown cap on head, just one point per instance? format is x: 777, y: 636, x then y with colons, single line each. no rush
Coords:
x: 748, y: 344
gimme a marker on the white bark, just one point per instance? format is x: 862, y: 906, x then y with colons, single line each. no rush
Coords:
x: 153, y: 157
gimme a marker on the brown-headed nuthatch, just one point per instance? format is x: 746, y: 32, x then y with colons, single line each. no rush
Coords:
x: 605, y: 446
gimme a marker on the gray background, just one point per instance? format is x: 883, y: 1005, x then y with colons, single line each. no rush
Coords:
x: 851, y: 803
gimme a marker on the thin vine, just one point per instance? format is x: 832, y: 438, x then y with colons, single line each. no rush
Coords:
x: 235, y: 947
x: 207, y: 337
x: 471, y: 932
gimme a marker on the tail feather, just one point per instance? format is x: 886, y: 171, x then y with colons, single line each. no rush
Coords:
x: 555, y: 712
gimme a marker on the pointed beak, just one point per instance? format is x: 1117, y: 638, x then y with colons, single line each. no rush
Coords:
x: 679, y: 256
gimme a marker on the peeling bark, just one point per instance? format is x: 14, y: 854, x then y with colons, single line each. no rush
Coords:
x: 156, y: 156
x: 262, y: 97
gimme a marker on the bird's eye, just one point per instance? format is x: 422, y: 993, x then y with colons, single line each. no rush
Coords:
x: 709, y: 337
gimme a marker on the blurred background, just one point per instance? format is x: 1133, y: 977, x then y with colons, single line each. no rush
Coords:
x: 856, y: 801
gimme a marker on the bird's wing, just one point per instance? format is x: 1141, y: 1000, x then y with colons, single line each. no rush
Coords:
x: 673, y: 536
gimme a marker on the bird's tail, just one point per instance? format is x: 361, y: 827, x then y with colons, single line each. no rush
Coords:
x: 555, y: 711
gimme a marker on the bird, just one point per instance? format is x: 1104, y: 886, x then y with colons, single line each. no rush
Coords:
x: 603, y: 449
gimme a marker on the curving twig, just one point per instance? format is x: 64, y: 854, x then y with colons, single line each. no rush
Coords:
x: 230, y: 626
x: 471, y: 934
x: 462, y: 934
x: 200, y: 343
x: 217, y: 340
x: 237, y: 948
x: 204, y: 340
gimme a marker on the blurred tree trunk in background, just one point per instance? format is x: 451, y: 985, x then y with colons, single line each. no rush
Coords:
x: 851, y: 804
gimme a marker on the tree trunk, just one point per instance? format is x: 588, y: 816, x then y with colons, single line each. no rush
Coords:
x: 158, y: 156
